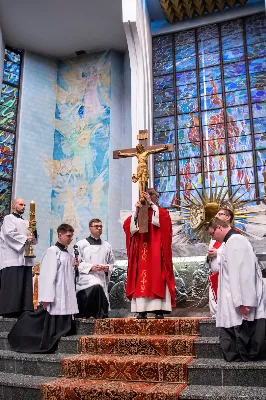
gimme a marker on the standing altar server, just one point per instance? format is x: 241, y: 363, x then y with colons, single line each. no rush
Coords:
x: 40, y: 331
x: 16, y: 292
x: 241, y: 308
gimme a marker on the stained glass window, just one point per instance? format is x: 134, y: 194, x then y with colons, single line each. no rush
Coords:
x: 8, y: 122
x: 210, y: 102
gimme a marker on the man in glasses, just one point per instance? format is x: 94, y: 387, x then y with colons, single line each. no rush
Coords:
x: 241, y: 306
x: 96, y: 264
x: 150, y: 278
x: 213, y: 258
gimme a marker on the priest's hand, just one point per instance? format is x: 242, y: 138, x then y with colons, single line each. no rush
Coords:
x: 45, y: 304
x: 105, y: 268
x: 138, y: 205
x: 212, y: 253
x: 30, y: 238
x: 96, y: 267
x: 75, y: 262
x: 244, y: 311
x: 147, y: 197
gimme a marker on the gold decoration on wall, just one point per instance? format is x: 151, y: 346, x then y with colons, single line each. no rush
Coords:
x: 182, y: 9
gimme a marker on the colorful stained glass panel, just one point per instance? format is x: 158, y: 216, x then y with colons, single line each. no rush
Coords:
x: 6, y: 161
x: 235, y: 69
x: 258, y: 79
x: 233, y: 55
x: 236, y: 98
x: 209, y: 59
x: 185, y: 64
x: 189, y: 90
x: 242, y: 175
x: 184, y: 78
x: 163, y: 68
x: 165, y: 156
x: 162, y: 109
x: 164, y: 124
x: 212, y: 117
x: 237, y: 113
x: 260, y: 141
x: 257, y: 65
x: 235, y: 83
x: 189, y: 181
x: 208, y: 32
x: 241, y: 160
x: 5, y: 198
x: 258, y: 94
x: 190, y: 166
x: 164, y: 168
x: 216, y: 178
x: 248, y: 191
x: 207, y: 74
x: 241, y: 143
x: 164, y: 137
x: 210, y: 87
x: 11, y: 67
x: 189, y: 150
x: 257, y: 50
x: 190, y: 194
x: 232, y: 41
x: 7, y: 118
x: 9, y: 96
x: 238, y: 128
x: 165, y: 199
x: 207, y: 46
x: 187, y: 105
x: 259, y: 110
x: 211, y: 147
x: 165, y: 184
x: 163, y: 95
x: 211, y: 102
x: 215, y: 163
x: 213, y: 132
x: 186, y: 50
x: 188, y: 135
x: 188, y: 120
x: 232, y: 27
x: 163, y: 82
x: 259, y: 125
x: 261, y: 157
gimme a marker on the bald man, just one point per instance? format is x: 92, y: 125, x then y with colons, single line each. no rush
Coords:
x: 15, y: 270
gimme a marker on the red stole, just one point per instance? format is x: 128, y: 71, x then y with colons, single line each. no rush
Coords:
x: 150, y: 265
x: 213, y: 278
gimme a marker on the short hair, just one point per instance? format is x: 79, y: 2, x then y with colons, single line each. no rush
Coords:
x: 94, y: 220
x: 63, y: 228
x: 215, y: 222
x: 149, y: 189
x: 229, y: 212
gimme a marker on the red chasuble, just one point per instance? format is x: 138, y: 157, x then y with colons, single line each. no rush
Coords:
x: 213, y: 278
x: 150, y: 266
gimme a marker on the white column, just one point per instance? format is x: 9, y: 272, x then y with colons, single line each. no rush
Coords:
x: 137, y: 27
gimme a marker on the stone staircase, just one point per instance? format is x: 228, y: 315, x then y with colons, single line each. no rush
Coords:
x: 131, y: 360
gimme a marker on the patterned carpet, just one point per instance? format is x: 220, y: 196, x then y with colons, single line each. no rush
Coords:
x: 128, y: 359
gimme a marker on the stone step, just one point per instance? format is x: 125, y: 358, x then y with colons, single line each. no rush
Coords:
x: 137, y: 345
x: 217, y: 372
x: 68, y: 344
x: 69, y: 389
x: 21, y: 387
x: 207, y: 347
x: 127, y: 368
x: 203, y: 392
x: 31, y: 364
x: 208, y: 328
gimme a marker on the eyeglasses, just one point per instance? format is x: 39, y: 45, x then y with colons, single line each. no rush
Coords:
x: 213, y: 231
x: 221, y: 213
x: 97, y: 226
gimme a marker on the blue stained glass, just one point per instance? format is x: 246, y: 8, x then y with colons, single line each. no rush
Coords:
x: 258, y: 94
x: 232, y: 27
x: 211, y: 102
x: 164, y: 124
x: 232, y: 55
x: 258, y: 79
x: 163, y: 68
x: 257, y: 65
x: 215, y: 163
x: 188, y: 135
x: 7, y: 139
x: 208, y: 32
x: 237, y: 113
x: 165, y: 199
x: 259, y: 110
x: 239, y: 143
x: 184, y: 78
x: 209, y: 59
x: 190, y: 166
x: 11, y: 67
x: 7, y: 118
x: 163, y: 95
x: 260, y: 171
x: 256, y: 50
x: 211, y: 147
x: 188, y: 120
x: 238, y: 128
x: 235, y: 83
x: 190, y: 194
x: 184, y: 37
x: 261, y: 157
x: 187, y: 105
x: 213, y: 132
x: 207, y: 46
x: 210, y: 87
x: 231, y: 41
x: 189, y: 90
x: 216, y: 177
x: 185, y: 64
x: 260, y: 141
x: 255, y: 23
x: 9, y: 96
x: 247, y: 190
x: 236, y: 98
x: 207, y: 74
x: 165, y: 156
x: 162, y: 54
x: 259, y: 125
x: 5, y: 197
x: 165, y: 184
x: 164, y: 137
x: 257, y: 37
x: 235, y: 69
x: 212, y: 117
x: 186, y: 150
x: 186, y: 50
x: 261, y: 190
x: 162, y: 109
x: 189, y: 181
x: 163, y: 82
x: 241, y: 160
x: 161, y: 41
x: 164, y: 168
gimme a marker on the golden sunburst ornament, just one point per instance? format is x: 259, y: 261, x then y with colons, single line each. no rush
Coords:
x: 197, y: 211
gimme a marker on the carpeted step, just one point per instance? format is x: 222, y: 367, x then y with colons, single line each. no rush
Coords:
x: 70, y: 389
x: 127, y: 368
x: 137, y: 345
x: 150, y: 326
x: 222, y: 393
x: 218, y: 372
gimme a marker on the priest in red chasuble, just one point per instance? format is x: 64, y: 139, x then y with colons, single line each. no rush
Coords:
x: 150, y: 277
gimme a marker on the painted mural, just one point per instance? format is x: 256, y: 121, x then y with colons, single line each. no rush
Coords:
x: 79, y: 169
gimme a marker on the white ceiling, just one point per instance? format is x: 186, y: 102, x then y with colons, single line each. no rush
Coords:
x: 58, y: 28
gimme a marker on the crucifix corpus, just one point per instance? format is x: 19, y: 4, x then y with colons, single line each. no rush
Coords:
x: 142, y: 151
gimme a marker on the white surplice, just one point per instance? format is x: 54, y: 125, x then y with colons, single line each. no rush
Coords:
x: 13, y: 236
x: 240, y: 283
x: 56, y: 282
x: 214, y: 264
x: 88, y: 256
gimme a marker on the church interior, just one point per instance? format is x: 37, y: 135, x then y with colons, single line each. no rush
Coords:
x: 82, y: 81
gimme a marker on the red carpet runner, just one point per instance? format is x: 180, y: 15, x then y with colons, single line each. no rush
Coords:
x: 128, y: 359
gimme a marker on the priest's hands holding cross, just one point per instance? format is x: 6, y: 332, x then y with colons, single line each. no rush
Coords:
x: 244, y: 311
x: 98, y: 267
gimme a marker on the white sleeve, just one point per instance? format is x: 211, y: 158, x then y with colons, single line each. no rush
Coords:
x: 111, y: 261
x: 242, y: 271
x: 133, y: 227
x: 13, y: 238
x: 155, y: 215
x: 47, y: 278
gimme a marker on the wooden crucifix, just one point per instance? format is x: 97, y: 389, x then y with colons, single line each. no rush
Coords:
x: 142, y: 151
